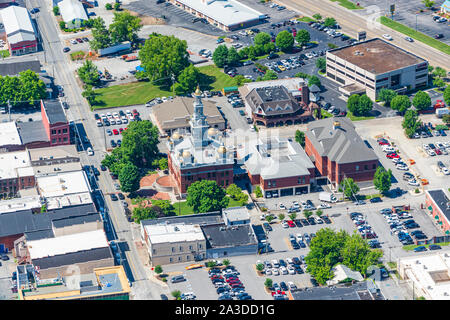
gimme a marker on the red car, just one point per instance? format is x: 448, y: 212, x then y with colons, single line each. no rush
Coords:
x: 135, y: 112
x: 79, y: 40
x: 438, y: 151
x: 291, y: 223
x: 120, y: 129
x: 278, y: 292
x: 392, y: 155
x: 383, y: 142
x: 115, y: 131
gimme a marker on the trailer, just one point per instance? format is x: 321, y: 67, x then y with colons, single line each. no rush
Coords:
x: 327, y: 197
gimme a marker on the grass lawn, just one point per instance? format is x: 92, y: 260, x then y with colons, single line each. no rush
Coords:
x: 306, y: 19
x: 357, y: 118
x: 370, y: 196
x: 326, y: 114
x: 77, y: 55
x: 415, y: 35
x: 412, y: 246
x: 140, y: 92
x: 181, y: 208
x: 348, y: 4
x: 4, y: 53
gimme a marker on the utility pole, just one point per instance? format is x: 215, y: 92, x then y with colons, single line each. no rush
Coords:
x: 172, y: 77
x: 9, y: 110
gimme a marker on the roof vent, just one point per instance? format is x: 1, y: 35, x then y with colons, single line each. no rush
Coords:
x: 176, y: 228
x: 425, y: 267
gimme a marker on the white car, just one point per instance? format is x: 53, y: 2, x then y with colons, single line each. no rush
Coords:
x: 275, y: 263
x: 285, y: 225
x: 425, y: 146
x: 275, y: 272
x: 388, y: 149
x: 324, y: 205
x: 290, y: 270
x: 291, y: 285
x: 281, y: 206
x: 299, y: 237
x: 404, y: 168
x: 289, y: 261
x: 413, y: 183
x: 73, y: 41
x: 387, y: 37
x: 283, y: 270
x: 445, y: 171
x: 431, y: 152
x: 89, y: 151
x: 268, y: 272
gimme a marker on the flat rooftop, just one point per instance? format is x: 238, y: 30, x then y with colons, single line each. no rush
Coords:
x: 63, y: 184
x: 52, y: 153
x: 17, y: 204
x: 11, y: 162
x: 236, y: 213
x: 9, y: 134
x: 172, y: 233
x: 440, y: 198
x: 377, y: 56
x: 54, y: 111
x: 358, y: 291
x: 222, y: 236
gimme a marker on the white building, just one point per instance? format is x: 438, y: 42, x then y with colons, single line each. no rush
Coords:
x: 19, y: 30
x: 9, y: 135
x: 73, y: 13
x: 429, y: 274
x: 227, y: 15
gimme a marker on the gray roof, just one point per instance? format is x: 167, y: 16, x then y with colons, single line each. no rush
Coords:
x: 39, y: 234
x: 441, y: 200
x: 14, y: 68
x: 200, y: 219
x: 341, y: 144
x: 55, y: 112
x: 220, y: 235
x: 358, y: 291
x: 73, y: 258
x: 314, y: 88
x: 76, y: 220
x: 20, y: 222
x: 32, y: 131
x: 236, y: 213
x: 274, y: 100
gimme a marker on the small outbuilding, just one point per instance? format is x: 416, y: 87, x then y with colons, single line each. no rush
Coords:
x: 73, y: 13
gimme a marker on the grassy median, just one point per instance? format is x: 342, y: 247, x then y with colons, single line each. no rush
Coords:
x: 348, y: 4
x: 419, y: 36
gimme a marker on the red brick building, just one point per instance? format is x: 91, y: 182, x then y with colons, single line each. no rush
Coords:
x: 338, y: 152
x: 438, y: 205
x: 200, y: 155
x: 16, y: 173
x: 55, y: 123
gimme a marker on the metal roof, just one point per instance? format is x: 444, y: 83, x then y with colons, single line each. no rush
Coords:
x: 72, y: 10
x: 54, y: 111
x: 15, y: 67
x: 32, y: 131
x: 18, y: 25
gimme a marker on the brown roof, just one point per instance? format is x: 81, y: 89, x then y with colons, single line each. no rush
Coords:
x: 177, y: 112
x: 377, y: 56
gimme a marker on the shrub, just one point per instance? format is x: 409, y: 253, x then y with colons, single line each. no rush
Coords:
x: 108, y: 6
x: 258, y: 192
x: 417, y: 190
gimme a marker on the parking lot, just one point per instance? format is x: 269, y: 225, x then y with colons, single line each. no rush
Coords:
x: 6, y: 270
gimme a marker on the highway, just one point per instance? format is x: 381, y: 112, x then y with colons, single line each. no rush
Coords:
x: 351, y: 22
x: 79, y: 112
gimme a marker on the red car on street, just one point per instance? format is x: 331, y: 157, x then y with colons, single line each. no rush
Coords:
x: 115, y: 131
x: 392, y: 155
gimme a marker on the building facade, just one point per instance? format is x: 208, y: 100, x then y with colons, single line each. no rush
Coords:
x: 55, y: 123
x: 369, y: 66
x: 438, y: 204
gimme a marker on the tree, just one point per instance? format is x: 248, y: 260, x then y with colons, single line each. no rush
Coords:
x: 233, y: 190
x: 268, y: 283
x: 124, y: 27
x: 165, y: 206
x: 447, y: 95
x: 411, y: 122
x: 101, y: 37
x: 430, y: 69
x: 220, y: 55
x: 260, y: 267
x: 281, y: 217
x: 206, y: 196
x: 428, y: 3
x: 62, y: 25
x: 158, y: 269
x: 387, y: 95
x: 439, y: 72
x: 421, y: 100
x: 262, y: 38
x: 438, y: 82
x: 321, y: 64
x: 129, y: 178
x: 270, y: 75
x: 350, y: 188
x: 329, y: 22
x: 382, y: 180
x: 400, y: 103
x: 365, y: 105
x: 143, y: 213
x: 317, y: 16
x: 284, y: 41
x: 140, y: 143
x: 90, y: 95
x: 240, y: 80
x: 314, y: 80
x: 319, y: 213
x: 270, y: 218
x: 176, y: 294
x: 108, y: 6
x: 302, y: 75
x: 187, y: 80
x: 352, y: 103
x: 303, y: 37
x: 163, y: 57
x: 293, y: 216
x: 117, y: 6
x: 357, y: 255
x: 258, y: 192
x: 446, y: 119
x: 30, y: 88
x: 88, y: 73
x: 56, y: 10
x: 307, y: 213
x: 226, y: 262
x: 233, y: 57
x: 300, y: 137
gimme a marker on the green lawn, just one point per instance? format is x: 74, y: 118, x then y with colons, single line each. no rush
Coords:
x: 181, y: 208
x: 348, y: 4
x: 4, y: 53
x: 326, y: 114
x: 412, y: 246
x: 77, y: 55
x: 306, y: 19
x: 140, y: 92
x: 357, y: 118
x: 415, y: 35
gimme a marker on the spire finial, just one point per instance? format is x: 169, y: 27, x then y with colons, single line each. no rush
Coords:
x: 198, y: 92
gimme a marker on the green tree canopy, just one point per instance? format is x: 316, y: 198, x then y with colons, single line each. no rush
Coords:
x: 262, y: 38
x: 357, y: 255
x: 329, y: 22
x: 400, y: 103
x: 421, y: 100
x: 187, y: 80
x: 129, y: 178
x: 447, y: 95
x: 143, y: 213
x: 300, y: 137
x: 365, y: 105
x: 439, y: 72
x: 124, y: 27
x: 314, y: 80
x: 165, y: 206
x: 382, y: 180
x: 428, y: 3
x: 350, y: 188
x: 101, y: 36
x: 158, y: 269
x: 270, y: 75
x: 90, y: 95
x: 56, y: 10
x: 317, y: 16
x: 233, y: 57
x: 284, y: 41
x: 268, y: 283
x: 303, y: 37
x: 411, y: 122
x: 321, y: 64
x: 140, y: 142
x: 352, y: 103
x: 206, y: 196
x: 220, y: 55
x: 88, y: 73
x: 163, y: 57
x: 387, y: 95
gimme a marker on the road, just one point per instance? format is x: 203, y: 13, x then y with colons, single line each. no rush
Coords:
x: 352, y: 22
x: 79, y: 112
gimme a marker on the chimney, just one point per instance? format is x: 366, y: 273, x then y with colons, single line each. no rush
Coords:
x: 305, y: 93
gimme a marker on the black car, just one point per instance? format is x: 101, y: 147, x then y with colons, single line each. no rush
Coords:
x: 273, y: 56
x: 113, y: 144
x: 283, y: 286
x: 375, y: 200
x: 119, y: 142
x: 102, y: 167
x: 66, y: 49
x: 85, y: 39
x: 121, y: 196
x: 311, y: 221
x: 298, y: 223
x: 96, y: 172
x: 5, y: 257
x: 295, y: 245
x: 164, y: 297
x: 114, y: 197
x: 327, y: 106
x: 282, y: 263
x: 439, y: 36
x: 412, y: 225
x: 434, y: 247
x: 305, y: 222
x: 326, y: 219
x: 267, y: 226
x: 314, y: 282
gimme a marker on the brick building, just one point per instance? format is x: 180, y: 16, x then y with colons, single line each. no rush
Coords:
x: 438, y: 205
x: 200, y: 155
x: 338, y: 152
x: 19, y: 29
x: 16, y: 173
x: 55, y: 123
